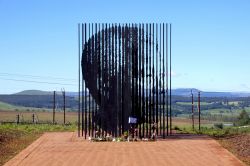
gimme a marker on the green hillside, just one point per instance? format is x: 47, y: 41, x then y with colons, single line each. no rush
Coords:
x: 9, y: 107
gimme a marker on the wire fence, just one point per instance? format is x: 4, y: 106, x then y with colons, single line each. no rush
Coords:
x: 38, y: 117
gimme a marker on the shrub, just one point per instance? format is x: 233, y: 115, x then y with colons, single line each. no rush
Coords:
x: 243, y: 118
x: 218, y: 125
x: 176, y: 128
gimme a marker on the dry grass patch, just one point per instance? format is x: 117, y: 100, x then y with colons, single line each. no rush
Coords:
x: 14, y: 138
x: 12, y: 142
x: 239, y: 145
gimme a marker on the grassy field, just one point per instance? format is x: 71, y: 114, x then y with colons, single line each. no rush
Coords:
x: 14, y: 138
x: 8, y: 113
x: 71, y: 117
x: 236, y: 103
x: 226, y: 111
x: 187, y: 123
x: 195, y: 103
x: 42, y: 117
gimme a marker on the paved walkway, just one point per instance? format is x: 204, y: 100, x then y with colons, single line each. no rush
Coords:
x: 65, y: 149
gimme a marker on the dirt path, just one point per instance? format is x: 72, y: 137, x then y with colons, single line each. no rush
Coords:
x: 63, y: 149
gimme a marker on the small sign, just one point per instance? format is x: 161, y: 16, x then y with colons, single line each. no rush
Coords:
x: 132, y: 120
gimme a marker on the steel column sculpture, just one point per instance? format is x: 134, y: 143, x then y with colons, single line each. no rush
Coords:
x: 125, y: 71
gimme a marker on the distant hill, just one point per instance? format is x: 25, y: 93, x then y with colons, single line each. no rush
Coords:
x: 184, y: 91
x: 177, y: 92
x: 75, y: 94
x: 41, y: 93
x: 44, y: 99
x: 187, y: 92
x: 225, y: 94
x: 34, y: 92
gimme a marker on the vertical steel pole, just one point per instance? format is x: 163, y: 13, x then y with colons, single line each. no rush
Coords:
x: 79, y: 104
x: 97, y: 74
x: 89, y: 102
x: 121, y: 75
x: 119, y: 79
x: 113, y: 86
x: 100, y: 76
x: 33, y: 118
x: 143, y: 83
x: 153, y: 78
x: 199, y: 109
x: 132, y: 69
x: 136, y: 52
x: 106, y: 71
x: 192, y: 109
x: 102, y: 90
x: 167, y: 74
x: 93, y: 69
x: 150, y: 75
x: 92, y: 73
x: 54, y: 106
x: 170, y: 79
x: 139, y: 75
x: 160, y: 84
x: 116, y: 81
x: 157, y: 81
x: 163, y: 75
x: 110, y: 129
x: 85, y: 88
x: 17, y: 118
x: 83, y: 102
x: 147, y: 80
x: 129, y: 54
x: 122, y: 78
x: 64, y: 107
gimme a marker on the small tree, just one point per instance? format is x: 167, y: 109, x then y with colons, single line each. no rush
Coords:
x: 243, y: 118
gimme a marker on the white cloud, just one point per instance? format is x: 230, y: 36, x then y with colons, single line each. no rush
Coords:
x: 175, y: 74
x: 244, y: 87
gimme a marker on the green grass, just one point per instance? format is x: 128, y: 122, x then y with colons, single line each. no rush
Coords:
x: 223, y: 111
x: 195, y: 103
x: 5, y: 106
x: 235, y: 103
x: 36, y: 128
x: 216, y: 132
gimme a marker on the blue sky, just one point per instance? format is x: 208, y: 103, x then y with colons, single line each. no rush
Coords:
x: 210, y: 44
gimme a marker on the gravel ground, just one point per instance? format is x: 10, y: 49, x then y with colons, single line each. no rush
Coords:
x: 64, y: 148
